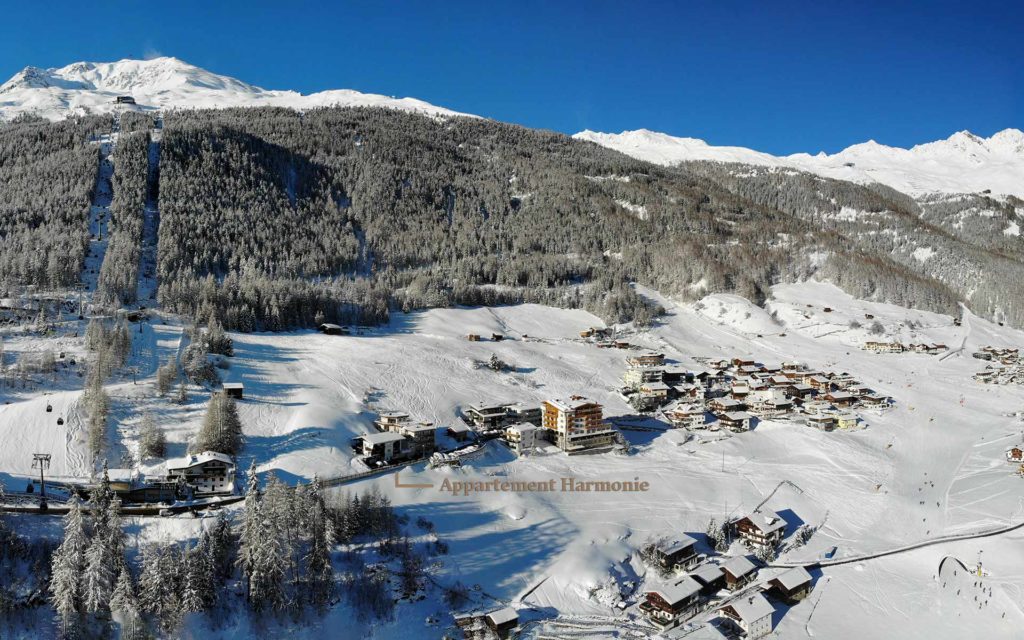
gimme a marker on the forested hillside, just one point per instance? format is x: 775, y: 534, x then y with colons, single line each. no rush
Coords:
x: 273, y: 218
x: 47, y: 176
x: 942, y: 249
x: 347, y: 211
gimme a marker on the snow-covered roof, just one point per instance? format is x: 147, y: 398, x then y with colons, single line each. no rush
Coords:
x: 736, y: 415
x: 382, y: 438
x: 752, y: 608
x: 739, y: 566
x: 576, y: 402
x: 503, y: 616
x: 707, y: 573
x: 233, y: 385
x: 677, y: 591
x: 522, y: 427
x: 196, y: 459
x: 393, y: 414
x: 459, y: 427
x: 677, y: 545
x: 767, y: 520
x: 793, y: 579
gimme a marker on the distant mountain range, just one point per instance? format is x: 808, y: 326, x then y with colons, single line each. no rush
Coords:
x: 164, y: 83
x: 963, y: 163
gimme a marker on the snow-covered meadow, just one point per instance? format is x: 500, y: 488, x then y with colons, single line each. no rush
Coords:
x: 930, y: 466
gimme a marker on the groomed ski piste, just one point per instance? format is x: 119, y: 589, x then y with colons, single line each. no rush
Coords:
x: 930, y: 467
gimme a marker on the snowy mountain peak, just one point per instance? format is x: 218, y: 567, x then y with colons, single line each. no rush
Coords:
x: 163, y: 83
x: 964, y: 162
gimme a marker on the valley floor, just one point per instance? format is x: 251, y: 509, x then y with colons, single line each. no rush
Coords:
x: 930, y: 466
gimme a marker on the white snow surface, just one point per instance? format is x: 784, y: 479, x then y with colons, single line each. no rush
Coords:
x: 932, y: 465
x: 963, y: 163
x: 165, y: 83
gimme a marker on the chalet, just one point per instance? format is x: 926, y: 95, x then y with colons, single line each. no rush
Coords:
x: 739, y: 572
x: 676, y: 375
x: 711, y: 578
x: 519, y: 412
x: 806, y: 376
x: 460, y: 432
x: 690, y: 416
x: 875, y: 400
x: 638, y: 375
x: 124, y: 100
x: 791, y: 586
x: 497, y: 337
x: 384, y: 447
x: 847, y: 420
x: 740, y: 389
x: 679, y: 554
x: 735, y: 420
x: 793, y: 366
x: 840, y: 398
x: 761, y: 529
x: 751, y: 616
x: 487, y: 416
x: 234, y: 390
x: 391, y: 420
x: 883, y: 347
x: 1015, y: 454
x: 769, y: 403
x: 576, y: 424
x: 656, y: 392
x: 842, y: 381
x: 621, y: 344
x: 668, y: 605
x: 688, y: 392
x: 421, y: 438
x: 208, y: 473
x: 473, y: 337
x: 778, y: 380
x: 121, y: 480
x: 742, y: 362
x: 724, y: 404
x: 821, y: 384
x: 799, y: 390
x: 332, y: 329
x: 821, y: 421
x: 523, y: 437
x: 502, y: 622
x: 648, y: 359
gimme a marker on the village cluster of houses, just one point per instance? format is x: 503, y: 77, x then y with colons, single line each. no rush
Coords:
x: 195, y: 476
x: 875, y: 346
x: 705, y: 583
x: 732, y: 394
x: 1006, y: 366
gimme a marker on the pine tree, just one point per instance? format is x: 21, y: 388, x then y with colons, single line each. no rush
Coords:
x: 152, y: 441
x: 318, y: 570
x: 68, y: 562
x: 222, y: 428
x: 182, y: 396
x: 249, y: 539
x: 97, y: 580
x: 125, y: 607
x: 165, y: 377
x: 220, y: 546
x: 198, y: 592
x: 217, y: 341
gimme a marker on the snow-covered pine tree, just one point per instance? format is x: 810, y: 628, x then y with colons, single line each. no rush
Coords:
x: 182, y: 396
x: 319, y: 572
x: 248, y: 540
x: 125, y: 607
x: 152, y: 441
x: 98, y: 577
x: 165, y: 377
x: 198, y: 593
x: 222, y: 428
x: 217, y: 341
x: 221, y: 542
x: 67, y: 564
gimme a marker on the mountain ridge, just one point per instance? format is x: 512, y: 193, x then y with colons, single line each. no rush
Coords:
x: 964, y: 162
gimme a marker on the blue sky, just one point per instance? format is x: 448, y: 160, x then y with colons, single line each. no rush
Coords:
x: 776, y: 76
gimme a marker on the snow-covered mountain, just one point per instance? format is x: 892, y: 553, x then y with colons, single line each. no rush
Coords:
x: 962, y: 163
x: 162, y: 83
